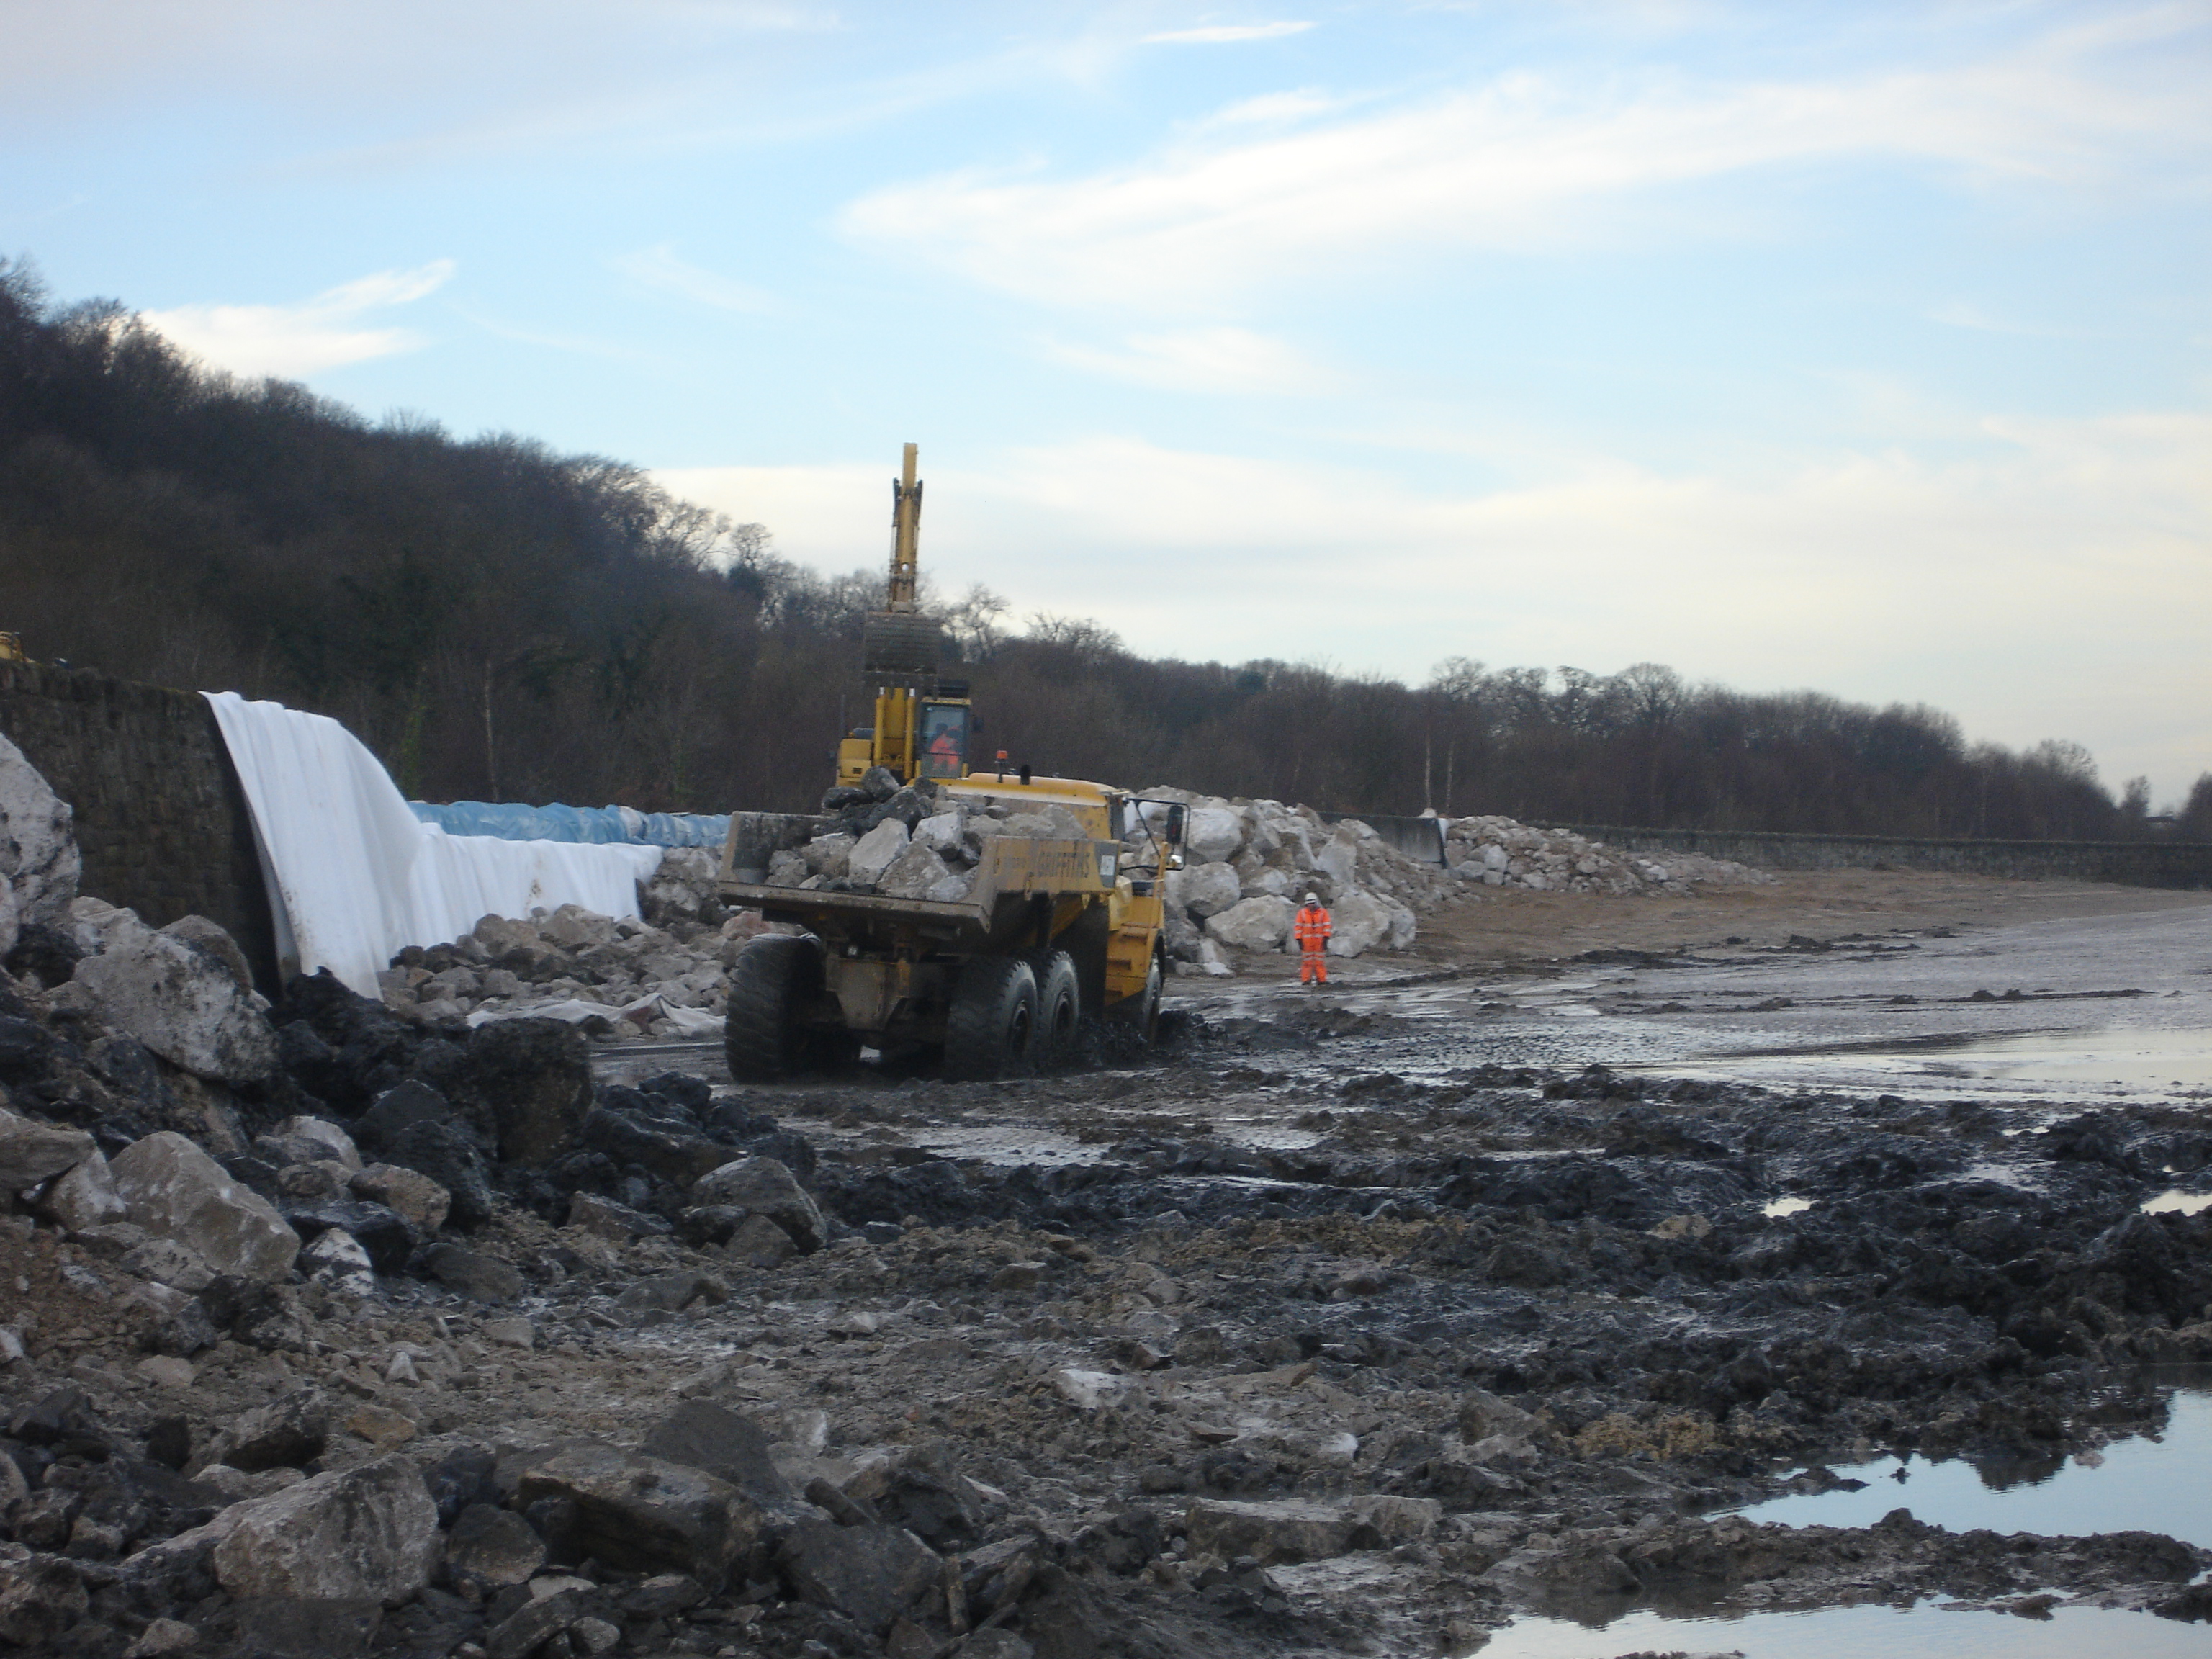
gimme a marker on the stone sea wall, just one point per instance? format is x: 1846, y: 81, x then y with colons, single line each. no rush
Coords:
x: 160, y: 820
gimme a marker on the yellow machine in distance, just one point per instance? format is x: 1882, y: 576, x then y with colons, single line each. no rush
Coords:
x: 1051, y: 931
x: 921, y: 724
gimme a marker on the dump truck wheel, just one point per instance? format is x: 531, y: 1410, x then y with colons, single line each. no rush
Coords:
x: 992, y: 1021
x: 775, y: 977
x: 1059, y: 1003
x: 1142, y: 1011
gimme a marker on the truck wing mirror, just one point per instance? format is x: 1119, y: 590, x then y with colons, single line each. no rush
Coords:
x: 1176, y: 812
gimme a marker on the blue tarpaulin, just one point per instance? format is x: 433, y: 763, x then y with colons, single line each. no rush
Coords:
x: 606, y: 825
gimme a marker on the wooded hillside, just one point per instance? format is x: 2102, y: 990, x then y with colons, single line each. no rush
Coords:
x: 500, y: 622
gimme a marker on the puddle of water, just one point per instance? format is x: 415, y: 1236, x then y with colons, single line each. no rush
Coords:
x: 1782, y: 1207
x: 1932, y: 1631
x: 2116, y: 1056
x: 2139, y: 1485
x: 2175, y: 1201
x: 1000, y: 1143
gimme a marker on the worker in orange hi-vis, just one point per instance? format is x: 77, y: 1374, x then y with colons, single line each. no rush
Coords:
x: 1312, y: 931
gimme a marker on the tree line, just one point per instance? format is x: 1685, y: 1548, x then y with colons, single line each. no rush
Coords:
x: 500, y: 622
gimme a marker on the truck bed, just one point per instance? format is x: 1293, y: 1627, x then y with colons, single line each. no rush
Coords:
x: 1015, y: 871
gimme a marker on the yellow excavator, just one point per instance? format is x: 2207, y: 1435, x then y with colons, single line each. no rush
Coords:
x: 1052, y: 931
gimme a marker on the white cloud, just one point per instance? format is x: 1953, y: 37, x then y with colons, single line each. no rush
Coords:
x: 2059, y: 585
x: 1961, y: 314
x: 1524, y: 162
x: 1274, y: 109
x: 1222, y: 35
x: 658, y: 267
x: 1225, y: 360
x: 327, y: 332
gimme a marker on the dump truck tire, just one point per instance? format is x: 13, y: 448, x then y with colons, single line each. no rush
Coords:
x: 1059, y: 1003
x: 775, y: 977
x: 993, y: 1023
x: 1142, y: 1011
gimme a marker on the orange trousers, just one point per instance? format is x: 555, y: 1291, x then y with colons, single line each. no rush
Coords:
x: 1313, y: 968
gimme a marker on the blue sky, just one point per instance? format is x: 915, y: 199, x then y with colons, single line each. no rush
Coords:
x: 1863, y: 347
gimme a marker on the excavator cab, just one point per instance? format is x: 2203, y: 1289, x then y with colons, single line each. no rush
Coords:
x: 941, y: 748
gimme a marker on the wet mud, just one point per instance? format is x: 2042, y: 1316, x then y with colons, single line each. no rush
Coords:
x: 1451, y: 1309
x: 1315, y: 1257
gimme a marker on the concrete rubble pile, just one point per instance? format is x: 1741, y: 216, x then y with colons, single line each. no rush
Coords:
x: 911, y: 843
x: 1499, y: 852
x: 1248, y: 864
x: 615, y: 978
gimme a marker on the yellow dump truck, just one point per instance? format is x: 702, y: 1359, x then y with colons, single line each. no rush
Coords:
x: 1051, y: 931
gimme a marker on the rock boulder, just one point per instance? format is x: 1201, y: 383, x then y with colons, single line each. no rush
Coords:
x: 1211, y: 833
x: 367, y: 1533
x: 533, y: 1080
x: 643, y: 1515
x: 1254, y: 924
x: 874, y: 852
x: 173, y: 1189
x: 869, y: 1574
x: 912, y: 873
x: 1366, y: 921
x: 1204, y: 889
x: 32, y: 1152
x: 39, y: 861
x: 177, y: 997
x: 765, y: 1187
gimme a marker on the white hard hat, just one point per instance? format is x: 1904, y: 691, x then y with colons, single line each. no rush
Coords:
x: 1311, y: 899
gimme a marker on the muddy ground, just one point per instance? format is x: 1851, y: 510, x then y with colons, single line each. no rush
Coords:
x: 1343, y: 1243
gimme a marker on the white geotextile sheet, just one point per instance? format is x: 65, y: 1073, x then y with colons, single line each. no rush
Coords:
x: 355, y: 877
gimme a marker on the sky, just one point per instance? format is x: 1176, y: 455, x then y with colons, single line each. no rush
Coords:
x: 1861, y: 348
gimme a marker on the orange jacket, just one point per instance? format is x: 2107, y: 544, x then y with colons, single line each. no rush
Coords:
x: 1313, y: 927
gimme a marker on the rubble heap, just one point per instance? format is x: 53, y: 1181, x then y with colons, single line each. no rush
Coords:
x: 910, y: 842
x: 1501, y: 852
x: 615, y: 978
x: 1249, y: 863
